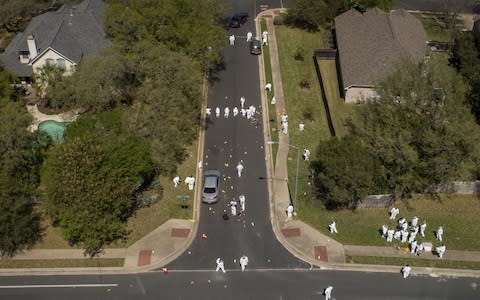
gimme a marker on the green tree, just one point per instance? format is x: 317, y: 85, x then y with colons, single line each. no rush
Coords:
x: 168, y: 102
x: 91, y: 178
x: 6, y: 79
x: 345, y: 172
x: 466, y: 52
x: 99, y: 84
x: 19, y: 222
x: 188, y: 26
x: 13, y: 11
x: 45, y: 80
x: 420, y: 128
x: 313, y: 14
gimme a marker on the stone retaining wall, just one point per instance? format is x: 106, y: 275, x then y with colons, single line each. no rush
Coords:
x: 456, y: 187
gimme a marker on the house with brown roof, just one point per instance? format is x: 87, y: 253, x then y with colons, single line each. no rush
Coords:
x: 370, y: 44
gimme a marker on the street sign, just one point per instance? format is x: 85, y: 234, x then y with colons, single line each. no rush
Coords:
x: 184, y: 199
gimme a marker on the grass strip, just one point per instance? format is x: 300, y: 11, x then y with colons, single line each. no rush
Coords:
x: 339, y: 110
x: 62, y: 263
x: 272, y: 112
x: 414, y: 262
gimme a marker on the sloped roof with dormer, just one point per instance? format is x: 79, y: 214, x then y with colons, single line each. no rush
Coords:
x: 370, y: 44
x: 74, y: 31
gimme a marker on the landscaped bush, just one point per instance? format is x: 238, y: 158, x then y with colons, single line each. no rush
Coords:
x: 304, y: 83
x: 282, y: 19
x: 308, y: 114
x: 299, y: 54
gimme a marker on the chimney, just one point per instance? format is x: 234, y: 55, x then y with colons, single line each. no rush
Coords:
x: 32, y: 47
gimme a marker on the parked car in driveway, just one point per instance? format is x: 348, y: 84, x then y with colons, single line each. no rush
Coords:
x: 211, y: 186
x: 255, y: 47
x: 238, y: 19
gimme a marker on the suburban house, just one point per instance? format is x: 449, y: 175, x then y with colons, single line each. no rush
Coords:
x: 370, y: 44
x: 59, y: 37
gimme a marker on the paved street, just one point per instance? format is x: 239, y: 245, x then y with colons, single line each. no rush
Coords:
x: 275, y: 284
x: 227, y: 142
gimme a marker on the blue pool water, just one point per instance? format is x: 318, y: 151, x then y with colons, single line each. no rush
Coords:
x: 54, y: 129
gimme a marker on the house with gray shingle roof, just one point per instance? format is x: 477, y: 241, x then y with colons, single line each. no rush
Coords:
x: 61, y: 37
x: 370, y: 44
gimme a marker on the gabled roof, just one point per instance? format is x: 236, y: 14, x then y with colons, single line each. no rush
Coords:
x: 370, y: 44
x: 73, y: 30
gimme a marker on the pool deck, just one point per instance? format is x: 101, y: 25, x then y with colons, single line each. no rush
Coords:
x: 39, y: 117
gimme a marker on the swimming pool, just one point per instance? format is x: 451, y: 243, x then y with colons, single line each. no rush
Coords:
x: 54, y: 129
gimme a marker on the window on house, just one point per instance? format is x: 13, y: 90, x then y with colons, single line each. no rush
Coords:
x: 61, y: 64
x: 50, y: 61
x: 24, y: 57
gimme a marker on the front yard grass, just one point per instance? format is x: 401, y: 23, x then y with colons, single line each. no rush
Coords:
x: 427, y: 263
x: 302, y: 104
x: 61, y: 263
x: 456, y: 213
x: 272, y: 113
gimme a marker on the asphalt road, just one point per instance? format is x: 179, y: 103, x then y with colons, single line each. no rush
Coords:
x: 229, y: 141
x: 263, y: 285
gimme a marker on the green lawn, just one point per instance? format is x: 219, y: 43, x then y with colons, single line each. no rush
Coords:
x: 458, y: 214
x: 272, y: 115
x: 62, y: 263
x: 339, y: 110
x: 429, y: 263
x: 435, y: 28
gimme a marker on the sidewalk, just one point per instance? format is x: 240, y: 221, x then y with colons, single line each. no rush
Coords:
x: 301, y: 239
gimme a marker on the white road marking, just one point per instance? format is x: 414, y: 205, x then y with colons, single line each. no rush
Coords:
x: 38, y: 286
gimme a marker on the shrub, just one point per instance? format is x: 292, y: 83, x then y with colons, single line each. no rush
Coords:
x: 282, y: 19
x: 299, y: 54
x: 304, y: 84
x: 308, y: 113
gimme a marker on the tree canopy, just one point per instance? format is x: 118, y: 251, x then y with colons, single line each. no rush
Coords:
x: 346, y: 172
x: 466, y: 52
x: 313, y: 14
x: 419, y: 130
x: 91, y: 178
x: 19, y: 222
x: 188, y: 26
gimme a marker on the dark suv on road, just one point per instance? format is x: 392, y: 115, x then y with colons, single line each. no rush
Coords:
x: 238, y: 19
x: 255, y: 47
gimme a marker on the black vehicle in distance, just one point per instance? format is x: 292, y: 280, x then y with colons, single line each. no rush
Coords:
x: 238, y: 19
